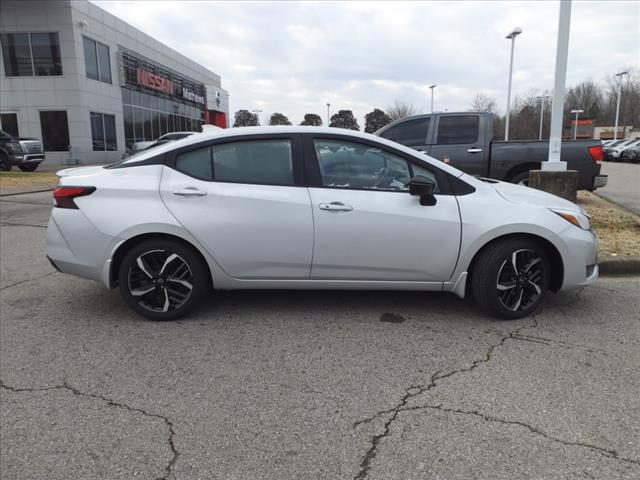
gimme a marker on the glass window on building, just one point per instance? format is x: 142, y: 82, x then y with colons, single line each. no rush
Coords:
x: 103, y: 132
x: 31, y: 54
x: 96, y: 60
x: 55, y: 131
x: 9, y: 123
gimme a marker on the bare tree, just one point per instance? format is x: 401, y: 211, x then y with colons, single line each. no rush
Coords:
x: 400, y: 110
x: 484, y: 103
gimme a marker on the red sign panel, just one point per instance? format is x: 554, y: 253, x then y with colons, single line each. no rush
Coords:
x: 156, y: 82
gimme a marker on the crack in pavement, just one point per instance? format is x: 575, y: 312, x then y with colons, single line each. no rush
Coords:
x: 112, y: 403
x: 11, y: 224
x: 416, y: 390
x: 28, y: 280
x: 607, y: 452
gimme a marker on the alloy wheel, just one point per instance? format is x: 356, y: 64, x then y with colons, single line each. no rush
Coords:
x: 520, y: 280
x: 161, y: 280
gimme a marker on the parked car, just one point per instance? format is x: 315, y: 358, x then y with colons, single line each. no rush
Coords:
x: 142, y: 146
x: 631, y: 154
x: 311, y: 208
x: 25, y: 153
x: 464, y: 140
x: 613, y: 152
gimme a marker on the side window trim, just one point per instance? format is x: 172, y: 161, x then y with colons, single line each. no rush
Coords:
x: 296, y: 157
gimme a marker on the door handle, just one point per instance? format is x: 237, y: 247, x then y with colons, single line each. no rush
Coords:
x: 335, y: 207
x: 189, y: 192
x: 474, y: 150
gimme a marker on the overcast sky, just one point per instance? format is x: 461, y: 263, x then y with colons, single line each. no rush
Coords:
x: 295, y: 57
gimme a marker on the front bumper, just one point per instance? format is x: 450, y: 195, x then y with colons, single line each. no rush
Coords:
x: 600, y: 181
x: 580, y: 258
x: 29, y: 158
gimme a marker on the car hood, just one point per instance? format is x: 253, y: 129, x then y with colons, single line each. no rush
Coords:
x: 521, y: 194
x: 70, y: 172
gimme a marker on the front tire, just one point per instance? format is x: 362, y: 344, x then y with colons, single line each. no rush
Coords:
x: 28, y: 168
x: 5, y: 165
x: 162, y: 279
x: 521, y: 178
x: 510, y: 278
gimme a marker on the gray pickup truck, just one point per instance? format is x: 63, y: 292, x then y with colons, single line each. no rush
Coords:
x: 25, y: 153
x: 465, y: 141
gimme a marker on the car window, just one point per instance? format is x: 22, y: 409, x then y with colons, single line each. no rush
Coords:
x: 458, y: 129
x: 260, y: 161
x: 196, y: 163
x: 420, y: 170
x: 358, y: 166
x: 410, y: 132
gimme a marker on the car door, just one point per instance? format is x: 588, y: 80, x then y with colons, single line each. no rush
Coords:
x: 243, y: 200
x: 413, y: 132
x: 458, y: 141
x: 366, y: 224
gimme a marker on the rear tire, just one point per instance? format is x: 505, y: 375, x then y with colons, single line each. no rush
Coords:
x: 162, y: 279
x: 28, y: 168
x: 5, y: 166
x: 521, y: 178
x: 510, y: 291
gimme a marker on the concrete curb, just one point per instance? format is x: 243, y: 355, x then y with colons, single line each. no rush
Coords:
x: 619, y: 266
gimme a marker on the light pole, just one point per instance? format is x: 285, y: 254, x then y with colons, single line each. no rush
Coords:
x: 615, y: 129
x: 575, y: 127
x: 328, y: 107
x: 512, y: 36
x: 542, y: 100
x: 432, y: 87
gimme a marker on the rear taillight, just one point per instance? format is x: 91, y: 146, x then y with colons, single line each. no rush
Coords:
x: 63, y: 196
x: 596, y: 153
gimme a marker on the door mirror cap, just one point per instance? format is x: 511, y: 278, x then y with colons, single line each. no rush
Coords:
x: 422, y: 187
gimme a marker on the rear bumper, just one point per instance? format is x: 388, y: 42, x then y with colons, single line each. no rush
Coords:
x: 600, y: 181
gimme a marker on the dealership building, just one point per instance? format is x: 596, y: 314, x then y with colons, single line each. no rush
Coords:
x: 89, y: 85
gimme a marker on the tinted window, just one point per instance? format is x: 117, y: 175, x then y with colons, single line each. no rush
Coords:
x: 27, y: 54
x: 261, y: 161
x: 90, y: 60
x: 9, y: 123
x: 410, y: 132
x: 458, y: 129
x: 103, y: 132
x: 354, y: 165
x: 55, y: 131
x: 110, y: 132
x: 16, y: 53
x: 196, y: 163
x: 104, y: 65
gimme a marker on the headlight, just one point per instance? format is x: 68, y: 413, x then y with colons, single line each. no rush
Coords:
x: 14, y: 147
x: 578, y: 219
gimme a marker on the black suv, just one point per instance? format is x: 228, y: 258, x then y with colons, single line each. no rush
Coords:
x: 26, y: 153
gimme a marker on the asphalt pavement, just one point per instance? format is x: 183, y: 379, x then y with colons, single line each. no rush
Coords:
x: 623, y: 187
x: 291, y: 385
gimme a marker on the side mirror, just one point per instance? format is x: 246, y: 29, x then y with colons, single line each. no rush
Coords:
x: 423, y: 187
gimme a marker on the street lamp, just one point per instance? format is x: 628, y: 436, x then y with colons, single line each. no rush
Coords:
x: 328, y: 107
x: 615, y: 130
x: 432, y: 87
x: 512, y: 36
x: 542, y: 100
x: 575, y: 127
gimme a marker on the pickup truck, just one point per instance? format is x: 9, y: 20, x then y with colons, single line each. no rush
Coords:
x: 26, y: 153
x: 465, y: 141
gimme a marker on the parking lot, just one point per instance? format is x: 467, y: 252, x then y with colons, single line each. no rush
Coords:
x: 279, y: 385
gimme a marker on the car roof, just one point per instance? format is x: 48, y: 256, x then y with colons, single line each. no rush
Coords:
x: 230, y: 133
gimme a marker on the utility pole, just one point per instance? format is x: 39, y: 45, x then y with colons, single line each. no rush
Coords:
x: 432, y: 87
x: 543, y: 97
x: 512, y: 36
x: 575, y: 127
x: 328, y: 107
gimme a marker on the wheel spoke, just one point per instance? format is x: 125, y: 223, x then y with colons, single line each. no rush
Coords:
x: 165, y: 307
x: 184, y: 283
x: 142, y: 291
x: 519, y: 301
x: 169, y: 259
x: 514, y: 261
x: 535, y: 287
x: 532, y: 263
x: 143, y: 267
x: 502, y: 287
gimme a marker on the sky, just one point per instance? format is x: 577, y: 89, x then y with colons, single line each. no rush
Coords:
x: 294, y: 57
